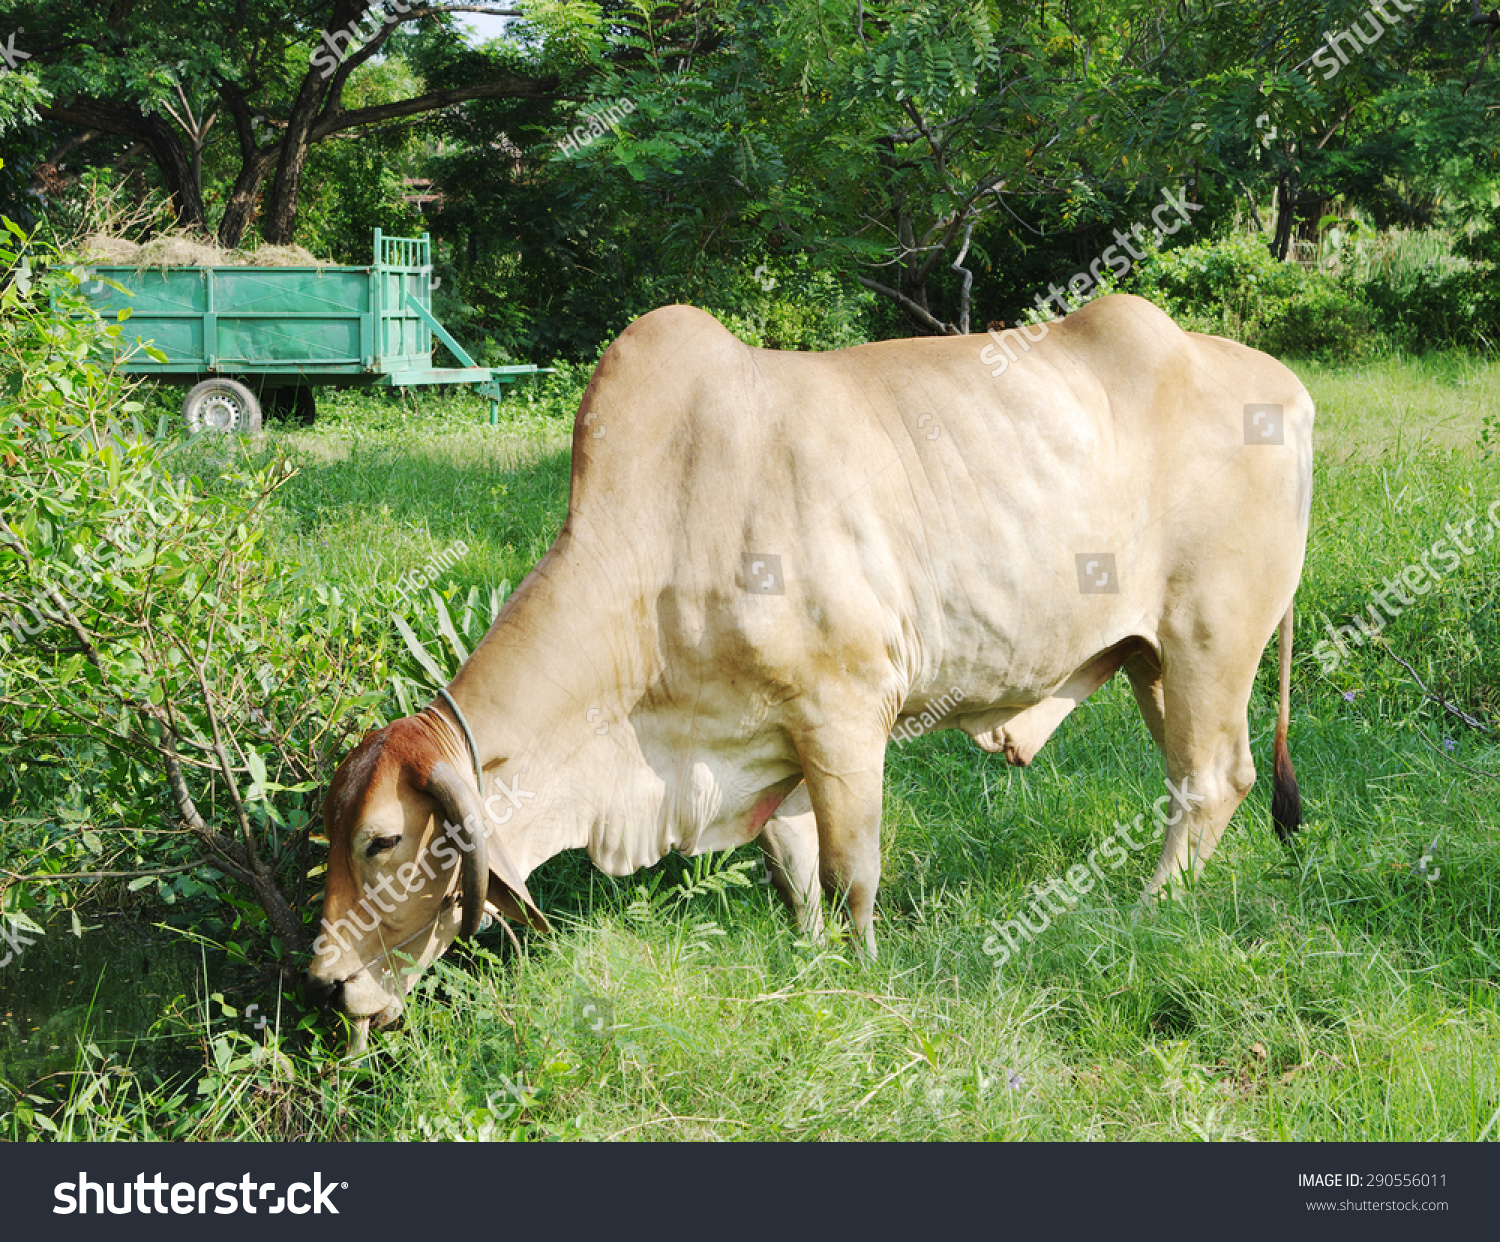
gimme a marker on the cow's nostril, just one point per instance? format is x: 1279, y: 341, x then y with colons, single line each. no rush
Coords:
x: 324, y: 993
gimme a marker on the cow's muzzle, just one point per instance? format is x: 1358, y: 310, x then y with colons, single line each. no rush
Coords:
x: 357, y: 998
x: 325, y: 994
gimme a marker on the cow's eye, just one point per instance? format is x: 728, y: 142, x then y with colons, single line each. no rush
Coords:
x: 380, y: 845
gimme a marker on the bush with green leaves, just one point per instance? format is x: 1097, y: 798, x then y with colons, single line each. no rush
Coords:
x: 1479, y: 245
x: 788, y: 304
x: 1426, y: 293
x: 171, y: 698
x: 1320, y: 320
x: 1234, y: 287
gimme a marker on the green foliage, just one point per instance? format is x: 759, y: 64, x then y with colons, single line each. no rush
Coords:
x: 786, y: 305
x: 1343, y: 990
x: 707, y: 876
x: 1361, y: 292
x: 1233, y: 287
x: 448, y: 638
x: 866, y: 142
x: 1425, y: 292
x: 1319, y: 320
x: 159, y: 670
x: 359, y: 189
x: 1479, y: 245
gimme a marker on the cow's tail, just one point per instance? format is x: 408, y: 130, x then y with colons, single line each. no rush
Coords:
x: 1286, y: 799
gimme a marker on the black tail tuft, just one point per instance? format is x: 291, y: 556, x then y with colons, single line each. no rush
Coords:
x: 1286, y: 798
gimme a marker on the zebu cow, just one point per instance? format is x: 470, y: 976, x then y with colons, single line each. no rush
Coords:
x: 772, y: 560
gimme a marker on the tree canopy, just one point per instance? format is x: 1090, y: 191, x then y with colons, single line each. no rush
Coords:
x: 603, y: 157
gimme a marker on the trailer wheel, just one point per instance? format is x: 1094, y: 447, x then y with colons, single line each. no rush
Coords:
x: 221, y: 405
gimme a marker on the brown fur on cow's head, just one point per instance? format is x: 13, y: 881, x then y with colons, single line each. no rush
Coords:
x: 412, y: 864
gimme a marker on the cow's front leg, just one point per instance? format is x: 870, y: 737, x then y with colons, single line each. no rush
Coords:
x: 843, y: 771
x: 789, y: 840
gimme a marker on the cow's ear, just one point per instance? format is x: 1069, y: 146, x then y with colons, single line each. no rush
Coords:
x: 511, y: 898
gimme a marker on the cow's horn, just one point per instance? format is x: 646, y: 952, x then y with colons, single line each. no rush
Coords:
x: 481, y: 857
x: 461, y: 809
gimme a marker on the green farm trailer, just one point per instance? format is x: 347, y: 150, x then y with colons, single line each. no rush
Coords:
x: 241, y: 337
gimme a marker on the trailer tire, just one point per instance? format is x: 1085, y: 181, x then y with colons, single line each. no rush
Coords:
x: 221, y: 405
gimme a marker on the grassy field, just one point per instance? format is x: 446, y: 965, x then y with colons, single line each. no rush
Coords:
x: 1344, y: 989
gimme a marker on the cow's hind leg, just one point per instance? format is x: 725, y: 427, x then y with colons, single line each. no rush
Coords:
x: 789, y: 840
x: 1144, y: 671
x: 1198, y: 703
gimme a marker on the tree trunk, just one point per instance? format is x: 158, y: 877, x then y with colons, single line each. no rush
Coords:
x: 176, y: 167
x: 280, y: 227
x: 166, y: 148
x: 240, y: 211
x: 1286, y: 199
x: 913, y: 278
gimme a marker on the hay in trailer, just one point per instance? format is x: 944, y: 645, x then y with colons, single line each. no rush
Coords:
x: 186, y: 250
x: 105, y: 249
x: 173, y: 250
x: 280, y: 256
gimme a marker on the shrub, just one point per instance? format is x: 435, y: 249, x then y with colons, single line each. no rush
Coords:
x: 1424, y: 292
x: 1480, y: 245
x: 802, y: 308
x: 168, y: 693
x: 1320, y: 320
x: 1234, y: 287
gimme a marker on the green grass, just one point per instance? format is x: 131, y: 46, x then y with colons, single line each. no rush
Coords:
x: 1336, y: 990
x: 1401, y: 401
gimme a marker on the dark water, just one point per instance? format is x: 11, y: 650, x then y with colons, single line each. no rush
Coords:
x: 130, y: 989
